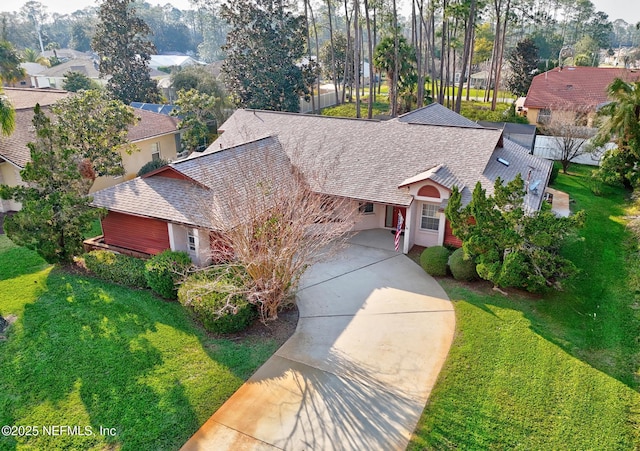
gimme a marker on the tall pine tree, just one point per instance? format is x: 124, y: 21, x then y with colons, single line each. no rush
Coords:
x: 124, y: 49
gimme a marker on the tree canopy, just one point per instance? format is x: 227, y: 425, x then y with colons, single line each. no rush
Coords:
x: 524, y: 65
x: 512, y: 248
x: 124, y: 49
x: 199, y: 115
x: 384, y: 60
x: 264, y: 43
x: 76, y: 81
x: 622, y: 126
x: 7, y: 115
x: 10, y: 69
x: 80, y: 141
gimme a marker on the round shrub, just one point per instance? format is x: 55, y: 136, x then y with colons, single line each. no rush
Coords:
x: 434, y: 260
x: 163, y: 272
x: 460, y: 268
x: 117, y: 268
x: 210, y: 301
x: 152, y: 166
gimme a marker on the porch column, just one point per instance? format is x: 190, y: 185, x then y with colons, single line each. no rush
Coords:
x: 408, y: 228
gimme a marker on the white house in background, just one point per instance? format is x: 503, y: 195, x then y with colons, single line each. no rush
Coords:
x: 157, y: 61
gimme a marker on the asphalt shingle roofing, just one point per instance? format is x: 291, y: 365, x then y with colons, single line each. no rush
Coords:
x: 574, y: 88
x: 437, y: 114
x: 364, y: 159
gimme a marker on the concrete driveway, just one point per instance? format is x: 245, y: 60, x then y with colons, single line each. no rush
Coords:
x: 373, y: 333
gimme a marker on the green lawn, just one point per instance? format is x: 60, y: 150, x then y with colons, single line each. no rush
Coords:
x: 87, y: 353
x: 556, y: 372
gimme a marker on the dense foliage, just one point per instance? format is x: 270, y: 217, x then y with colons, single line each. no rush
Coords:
x: 80, y: 142
x: 199, y: 114
x: 265, y: 41
x: 76, y: 81
x: 523, y: 61
x: 434, y: 260
x: 120, y: 41
x: 152, y: 166
x: 512, y: 248
x: 217, y: 301
x: 384, y: 60
x: 622, y: 125
x: 462, y: 268
x: 117, y: 268
x: 165, y: 270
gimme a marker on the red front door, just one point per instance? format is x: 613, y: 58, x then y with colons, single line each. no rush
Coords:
x: 391, y: 219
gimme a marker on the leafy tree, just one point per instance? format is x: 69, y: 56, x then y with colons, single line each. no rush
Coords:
x: 124, y: 49
x: 586, y: 52
x: 198, y: 114
x: 384, y: 60
x: 77, y: 81
x: 55, y: 211
x: 622, y: 126
x: 340, y: 55
x: 264, y: 42
x: 524, y: 65
x: 198, y: 78
x: 7, y: 115
x: 512, y: 248
x: 10, y: 70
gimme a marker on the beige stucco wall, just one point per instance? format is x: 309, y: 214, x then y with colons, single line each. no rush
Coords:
x: 9, y: 175
x: 415, y: 234
x: 133, y: 163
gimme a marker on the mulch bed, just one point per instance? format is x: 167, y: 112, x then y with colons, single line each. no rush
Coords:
x: 279, y: 330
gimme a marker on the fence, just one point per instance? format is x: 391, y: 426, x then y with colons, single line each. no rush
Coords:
x: 326, y: 99
x: 549, y: 147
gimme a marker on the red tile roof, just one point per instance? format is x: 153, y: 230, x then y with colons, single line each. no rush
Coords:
x: 574, y: 88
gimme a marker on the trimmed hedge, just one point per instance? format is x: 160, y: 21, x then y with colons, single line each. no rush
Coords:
x: 117, y: 268
x: 462, y: 269
x: 163, y: 272
x: 152, y: 166
x: 434, y: 260
x: 198, y: 293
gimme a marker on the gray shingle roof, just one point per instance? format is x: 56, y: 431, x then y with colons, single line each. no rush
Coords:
x: 217, y: 186
x: 365, y: 159
x: 520, y: 162
x: 437, y: 114
x: 155, y: 197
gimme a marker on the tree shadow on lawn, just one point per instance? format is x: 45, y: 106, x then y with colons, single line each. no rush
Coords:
x: 88, y: 353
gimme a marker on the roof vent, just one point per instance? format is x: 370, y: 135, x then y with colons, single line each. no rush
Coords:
x: 503, y: 161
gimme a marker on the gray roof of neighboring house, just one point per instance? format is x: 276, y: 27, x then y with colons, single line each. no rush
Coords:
x: 365, y: 159
x: 86, y: 66
x: 523, y: 134
x: 217, y: 189
x: 436, y: 114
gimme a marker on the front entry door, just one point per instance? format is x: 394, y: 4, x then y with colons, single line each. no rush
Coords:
x: 391, y: 216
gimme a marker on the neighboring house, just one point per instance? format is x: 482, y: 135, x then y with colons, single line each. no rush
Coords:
x: 155, y: 135
x: 572, y: 92
x: 54, y: 76
x: 14, y: 153
x: 158, y: 61
x: 387, y: 168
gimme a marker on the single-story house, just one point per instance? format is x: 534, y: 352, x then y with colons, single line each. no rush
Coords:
x: 573, y: 92
x: 387, y: 167
x: 155, y: 135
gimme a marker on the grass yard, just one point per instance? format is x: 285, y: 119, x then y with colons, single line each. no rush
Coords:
x: 90, y: 354
x: 556, y: 372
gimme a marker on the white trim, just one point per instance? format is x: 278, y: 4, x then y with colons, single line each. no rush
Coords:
x: 172, y: 241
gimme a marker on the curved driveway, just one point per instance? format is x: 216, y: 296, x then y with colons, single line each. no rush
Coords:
x: 373, y: 333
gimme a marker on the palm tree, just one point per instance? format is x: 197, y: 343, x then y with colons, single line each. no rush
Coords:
x: 33, y: 56
x: 7, y: 115
x: 622, y: 127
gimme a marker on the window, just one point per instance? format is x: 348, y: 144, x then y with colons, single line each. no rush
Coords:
x: 191, y: 240
x: 366, y: 207
x: 155, y: 151
x: 429, y: 219
x: 544, y: 116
